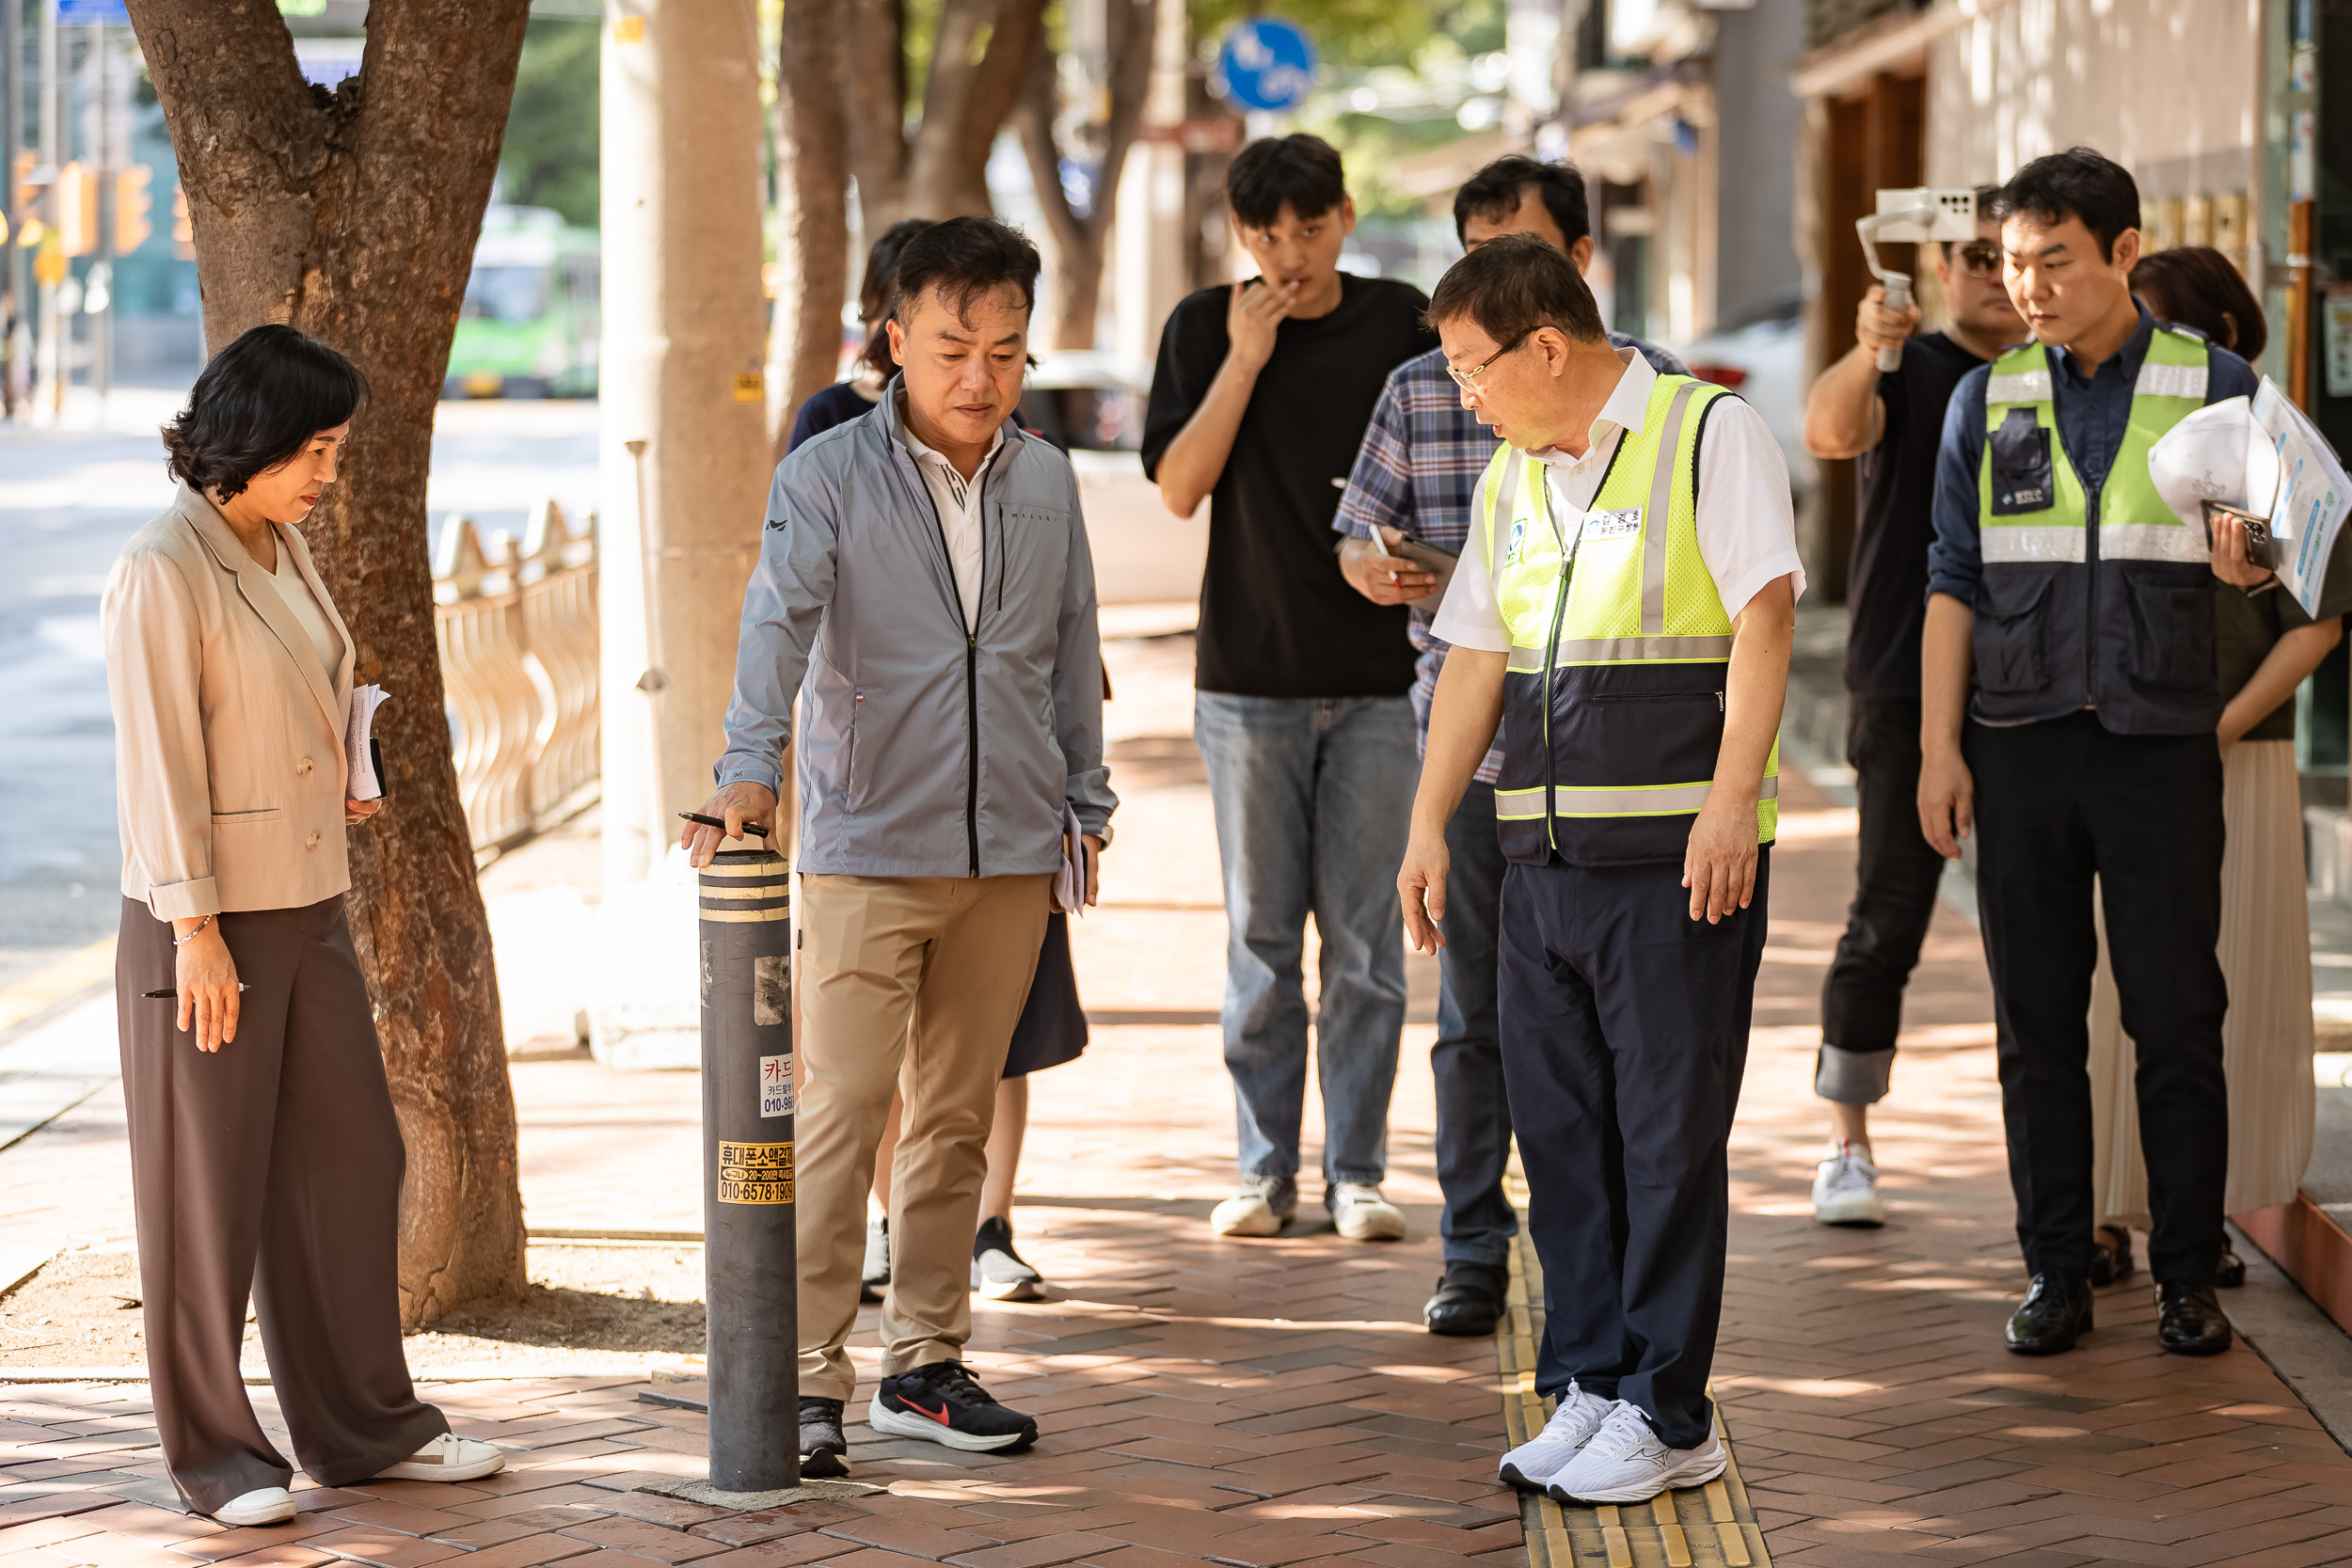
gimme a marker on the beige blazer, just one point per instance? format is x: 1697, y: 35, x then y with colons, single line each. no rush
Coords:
x: 229, y: 755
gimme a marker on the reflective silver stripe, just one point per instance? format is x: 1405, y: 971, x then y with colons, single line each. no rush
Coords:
x: 2020, y: 386
x: 1658, y: 523
x: 2169, y: 381
x: 1527, y: 660
x: 1662, y: 801
x: 2014, y: 543
x: 1532, y: 798
x: 2151, y: 542
x: 1629, y: 650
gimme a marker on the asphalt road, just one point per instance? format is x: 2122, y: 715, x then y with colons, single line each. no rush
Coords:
x: 68, y: 497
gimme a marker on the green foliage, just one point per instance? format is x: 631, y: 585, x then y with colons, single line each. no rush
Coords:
x: 549, y: 159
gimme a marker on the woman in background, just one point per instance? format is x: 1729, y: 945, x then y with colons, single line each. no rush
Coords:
x: 264, y: 1156
x: 2265, y: 645
x: 845, y: 401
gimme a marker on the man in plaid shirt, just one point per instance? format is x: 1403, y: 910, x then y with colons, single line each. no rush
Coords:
x: 1417, y: 473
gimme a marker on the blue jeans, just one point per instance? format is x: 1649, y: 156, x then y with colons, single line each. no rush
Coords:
x: 1314, y: 796
x: 1473, y: 1115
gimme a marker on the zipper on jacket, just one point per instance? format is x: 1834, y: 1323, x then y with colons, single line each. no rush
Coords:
x: 971, y: 662
x: 1552, y: 653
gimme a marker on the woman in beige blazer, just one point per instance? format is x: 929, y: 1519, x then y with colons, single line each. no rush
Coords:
x: 264, y: 1156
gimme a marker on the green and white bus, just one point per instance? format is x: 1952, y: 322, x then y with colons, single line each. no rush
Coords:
x: 529, y: 323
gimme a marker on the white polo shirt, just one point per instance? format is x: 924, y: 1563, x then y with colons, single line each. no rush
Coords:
x: 959, y: 502
x: 1747, y: 525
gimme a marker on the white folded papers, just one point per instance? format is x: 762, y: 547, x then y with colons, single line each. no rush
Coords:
x: 358, y: 751
x: 1070, y: 883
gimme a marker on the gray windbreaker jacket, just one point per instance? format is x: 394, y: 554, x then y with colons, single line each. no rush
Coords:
x: 928, y: 749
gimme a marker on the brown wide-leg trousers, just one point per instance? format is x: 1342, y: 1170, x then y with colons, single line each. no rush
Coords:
x: 913, y: 982
x: 279, y: 1149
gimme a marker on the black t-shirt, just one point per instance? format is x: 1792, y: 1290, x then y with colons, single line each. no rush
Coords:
x: 1276, y: 619
x: 1886, y: 592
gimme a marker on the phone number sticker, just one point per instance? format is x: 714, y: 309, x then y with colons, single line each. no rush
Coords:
x: 755, y: 1172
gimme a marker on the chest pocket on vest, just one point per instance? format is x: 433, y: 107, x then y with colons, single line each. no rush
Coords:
x: 2022, y: 480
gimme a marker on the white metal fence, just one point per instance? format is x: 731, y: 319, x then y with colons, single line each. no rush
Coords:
x: 517, y: 626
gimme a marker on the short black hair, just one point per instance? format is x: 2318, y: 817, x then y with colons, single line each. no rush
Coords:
x: 875, y: 290
x: 2195, y: 285
x: 2078, y: 183
x: 964, y: 258
x: 1513, y: 285
x: 1495, y: 192
x: 256, y: 406
x: 1299, y: 171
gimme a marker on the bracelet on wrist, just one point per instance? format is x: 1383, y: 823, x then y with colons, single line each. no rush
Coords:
x: 182, y: 942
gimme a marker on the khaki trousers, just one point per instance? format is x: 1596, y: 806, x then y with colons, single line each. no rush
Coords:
x: 915, y: 983
x: 270, y: 1168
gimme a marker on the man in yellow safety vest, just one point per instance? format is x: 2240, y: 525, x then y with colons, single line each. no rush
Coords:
x: 1628, y: 594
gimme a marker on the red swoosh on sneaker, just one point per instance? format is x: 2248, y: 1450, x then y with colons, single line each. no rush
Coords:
x: 940, y: 1415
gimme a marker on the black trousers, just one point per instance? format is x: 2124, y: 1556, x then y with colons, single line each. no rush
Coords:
x: 1895, y: 878
x: 270, y: 1168
x: 2058, y: 803
x: 1625, y: 1033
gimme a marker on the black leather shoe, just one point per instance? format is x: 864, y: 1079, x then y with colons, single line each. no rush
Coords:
x: 2110, y: 1255
x: 2231, y: 1275
x: 2055, y: 1313
x: 2189, y: 1321
x: 1469, y: 1299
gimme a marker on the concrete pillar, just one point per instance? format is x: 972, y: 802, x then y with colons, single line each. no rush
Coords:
x: 685, y: 455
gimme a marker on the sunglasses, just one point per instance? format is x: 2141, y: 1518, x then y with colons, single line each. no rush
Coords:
x: 1980, y: 260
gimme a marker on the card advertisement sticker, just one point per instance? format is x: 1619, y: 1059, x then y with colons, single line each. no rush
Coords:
x: 775, y: 1086
x: 1623, y: 524
x: 755, y: 1173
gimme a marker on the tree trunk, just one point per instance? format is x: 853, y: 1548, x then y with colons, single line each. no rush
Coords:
x: 314, y: 209
x: 941, y: 170
x: 1079, y: 242
x: 813, y: 189
x: 875, y: 90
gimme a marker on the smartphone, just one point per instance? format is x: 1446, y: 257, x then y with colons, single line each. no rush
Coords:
x: 2261, y: 549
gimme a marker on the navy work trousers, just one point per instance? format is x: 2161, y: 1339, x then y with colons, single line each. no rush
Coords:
x: 1625, y: 1032
x: 1473, y: 1112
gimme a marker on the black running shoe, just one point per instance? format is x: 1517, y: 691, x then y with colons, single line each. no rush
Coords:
x: 824, y: 1449
x: 999, y: 1272
x: 943, y: 1403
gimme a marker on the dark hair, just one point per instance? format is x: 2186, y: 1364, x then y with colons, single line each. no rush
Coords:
x: 964, y: 258
x: 1299, y: 171
x: 2195, y: 285
x: 2075, y: 183
x: 874, y: 291
x: 1495, y: 192
x: 1511, y: 286
x: 257, y: 404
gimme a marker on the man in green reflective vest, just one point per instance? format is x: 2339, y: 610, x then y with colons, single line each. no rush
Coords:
x: 2068, y: 702
x: 1628, y: 594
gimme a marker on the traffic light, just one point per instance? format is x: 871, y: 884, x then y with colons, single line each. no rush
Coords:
x: 132, y: 204
x: 77, y: 208
x: 182, y: 228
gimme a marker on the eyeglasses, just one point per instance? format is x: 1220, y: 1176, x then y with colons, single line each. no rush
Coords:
x: 1469, y: 378
x: 1980, y: 259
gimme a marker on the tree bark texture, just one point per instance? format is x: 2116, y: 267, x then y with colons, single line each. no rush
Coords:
x: 1079, y: 241
x: 813, y: 189
x: 980, y: 59
x: 352, y: 216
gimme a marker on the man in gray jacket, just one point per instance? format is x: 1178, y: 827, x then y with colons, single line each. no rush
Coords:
x: 925, y: 587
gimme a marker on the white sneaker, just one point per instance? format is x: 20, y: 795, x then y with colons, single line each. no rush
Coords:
x: 447, y: 1457
x: 1574, y: 1420
x: 266, y: 1505
x: 1624, y: 1463
x: 1362, y: 1214
x: 1846, y: 1186
x: 876, y: 1272
x: 1264, y: 1205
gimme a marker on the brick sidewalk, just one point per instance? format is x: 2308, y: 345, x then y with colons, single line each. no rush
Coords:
x: 1275, y: 1404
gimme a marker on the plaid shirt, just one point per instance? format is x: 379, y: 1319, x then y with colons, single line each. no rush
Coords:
x: 1418, y: 473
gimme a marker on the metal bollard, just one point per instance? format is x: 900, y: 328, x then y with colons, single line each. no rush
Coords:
x: 749, y: 1279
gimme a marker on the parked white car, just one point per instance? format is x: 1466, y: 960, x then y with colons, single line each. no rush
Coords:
x: 1764, y: 363
x: 1092, y: 408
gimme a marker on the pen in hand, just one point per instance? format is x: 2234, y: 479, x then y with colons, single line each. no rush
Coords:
x: 241, y: 986
x: 720, y: 823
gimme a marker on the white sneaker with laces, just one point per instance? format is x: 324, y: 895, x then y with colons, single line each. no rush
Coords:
x: 875, y: 1272
x: 1624, y: 1463
x: 264, y: 1505
x: 1846, y: 1186
x: 1264, y: 1205
x: 447, y: 1457
x: 1574, y: 1420
x: 1362, y: 1214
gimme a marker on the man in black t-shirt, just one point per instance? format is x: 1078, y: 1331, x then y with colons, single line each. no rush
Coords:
x: 1893, y: 421
x: 1259, y: 402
